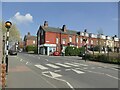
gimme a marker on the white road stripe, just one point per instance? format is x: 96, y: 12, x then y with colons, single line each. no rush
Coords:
x: 20, y: 59
x: 62, y: 65
x: 99, y: 67
x: 77, y: 71
x: 92, y: 67
x: 112, y: 76
x: 53, y: 66
x: 80, y: 64
x: 85, y: 68
x: 77, y: 68
x: 72, y: 64
x: 41, y: 67
x: 67, y: 69
x: 57, y: 70
x: 26, y: 62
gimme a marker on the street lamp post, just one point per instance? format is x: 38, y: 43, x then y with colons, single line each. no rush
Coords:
x: 108, y: 51
x: 85, y: 51
x: 3, y: 49
x: 8, y: 25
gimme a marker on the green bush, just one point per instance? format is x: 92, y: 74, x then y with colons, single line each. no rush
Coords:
x: 73, y: 51
x: 31, y: 48
x: 68, y: 51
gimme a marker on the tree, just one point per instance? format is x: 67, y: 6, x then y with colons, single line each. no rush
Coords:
x: 14, y: 32
x: 100, y: 32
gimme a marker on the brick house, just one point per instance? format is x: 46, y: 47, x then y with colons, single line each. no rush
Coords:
x: 50, y: 39
x: 29, y: 40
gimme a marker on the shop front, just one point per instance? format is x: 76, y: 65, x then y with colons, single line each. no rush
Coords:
x: 47, y: 49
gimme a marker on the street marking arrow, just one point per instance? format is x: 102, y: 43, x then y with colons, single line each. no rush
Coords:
x: 52, y: 74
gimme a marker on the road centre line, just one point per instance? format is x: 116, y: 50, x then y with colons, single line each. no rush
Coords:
x: 112, y: 76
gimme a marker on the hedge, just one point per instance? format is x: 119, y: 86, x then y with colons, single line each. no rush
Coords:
x: 73, y: 51
x: 103, y: 58
x: 31, y: 48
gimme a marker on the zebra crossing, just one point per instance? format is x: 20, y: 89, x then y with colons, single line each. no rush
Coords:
x: 58, y: 65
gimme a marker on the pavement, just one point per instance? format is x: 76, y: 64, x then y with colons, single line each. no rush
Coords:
x: 39, y: 71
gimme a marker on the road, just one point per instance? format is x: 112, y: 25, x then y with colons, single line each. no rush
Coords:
x: 66, y: 72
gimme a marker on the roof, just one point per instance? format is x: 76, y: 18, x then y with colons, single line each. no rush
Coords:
x: 28, y: 37
x: 59, y: 30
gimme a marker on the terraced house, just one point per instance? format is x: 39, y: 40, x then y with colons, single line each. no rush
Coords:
x: 29, y: 40
x: 50, y: 39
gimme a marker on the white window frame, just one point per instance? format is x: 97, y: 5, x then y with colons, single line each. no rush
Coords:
x: 57, y: 40
x: 42, y: 32
x: 70, y: 39
x: 63, y: 41
x: 91, y: 41
x: 76, y: 39
x: 33, y: 41
x: 81, y: 40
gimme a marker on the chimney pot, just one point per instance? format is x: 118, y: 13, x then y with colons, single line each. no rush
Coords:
x: 64, y: 28
x: 46, y: 24
x: 28, y: 33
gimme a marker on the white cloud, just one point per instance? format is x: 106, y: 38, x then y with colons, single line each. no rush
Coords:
x: 18, y: 18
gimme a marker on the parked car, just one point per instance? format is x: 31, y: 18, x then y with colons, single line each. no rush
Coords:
x: 13, y: 52
x: 56, y: 53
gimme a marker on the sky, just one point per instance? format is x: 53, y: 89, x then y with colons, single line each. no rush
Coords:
x: 93, y: 16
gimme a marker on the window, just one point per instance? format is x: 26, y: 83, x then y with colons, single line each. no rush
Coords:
x: 56, y: 40
x: 70, y: 39
x: 91, y: 41
x: 34, y: 42
x: 87, y: 42
x: 42, y: 32
x: 63, y: 41
x: 77, y: 40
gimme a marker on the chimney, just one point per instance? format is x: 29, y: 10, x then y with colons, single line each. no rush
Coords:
x: 28, y: 33
x: 46, y: 24
x: 64, y: 28
x: 85, y: 30
x: 115, y: 36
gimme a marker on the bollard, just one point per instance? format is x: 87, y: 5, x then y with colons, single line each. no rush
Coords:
x: 3, y: 75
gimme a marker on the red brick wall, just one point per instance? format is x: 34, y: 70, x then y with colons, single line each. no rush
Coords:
x: 30, y: 42
x: 50, y: 38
